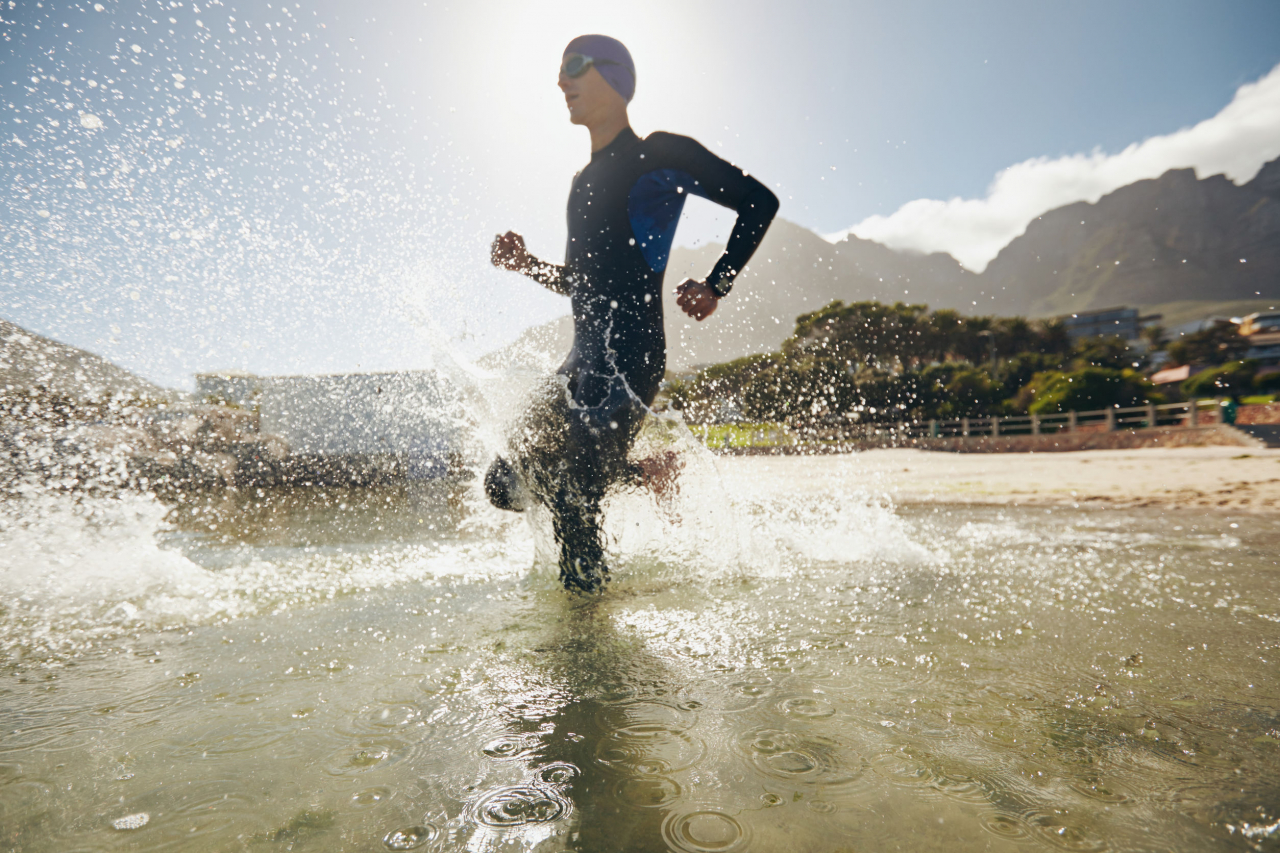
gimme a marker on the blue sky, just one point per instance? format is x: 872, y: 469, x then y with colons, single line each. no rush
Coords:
x: 307, y: 187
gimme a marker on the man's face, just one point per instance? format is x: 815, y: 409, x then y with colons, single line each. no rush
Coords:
x: 588, y: 97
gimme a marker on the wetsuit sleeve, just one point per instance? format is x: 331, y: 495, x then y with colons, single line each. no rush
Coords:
x: 726, y: 185
x: 550, y: 276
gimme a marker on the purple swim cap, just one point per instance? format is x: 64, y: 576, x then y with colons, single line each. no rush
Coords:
x: 616, y: 68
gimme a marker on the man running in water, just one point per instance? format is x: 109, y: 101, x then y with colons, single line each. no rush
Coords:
x: 572, y: 443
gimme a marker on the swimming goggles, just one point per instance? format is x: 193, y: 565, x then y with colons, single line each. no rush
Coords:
x: 576, y: 64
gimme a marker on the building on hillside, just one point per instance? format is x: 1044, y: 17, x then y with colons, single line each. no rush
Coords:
x: 1263, y: 333
x: 412, y: 416
x: 229, y: 388
x: 1125, y: 323
x: 1173, y: 375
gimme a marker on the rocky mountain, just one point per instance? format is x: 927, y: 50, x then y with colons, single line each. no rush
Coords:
x: 32, y: 363
x: 795, y: 271
x: 1164, y: 240
x: 1173, y: 239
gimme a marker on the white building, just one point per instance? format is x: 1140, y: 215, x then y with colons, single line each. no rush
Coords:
x: 415, y: 415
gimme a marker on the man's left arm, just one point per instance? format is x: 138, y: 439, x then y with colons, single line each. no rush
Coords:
x: 727, y: 185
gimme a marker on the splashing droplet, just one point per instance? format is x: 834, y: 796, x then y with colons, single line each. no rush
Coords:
x: 131, y: 821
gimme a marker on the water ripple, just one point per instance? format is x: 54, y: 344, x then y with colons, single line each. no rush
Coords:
x: 806, y: 708
x: 518, y: 805
x: 731, y: 692
x: 704, y: 831
x: 560, y: 773
x: 648, y: 792
x: 1005, y: 826
x: 365, y: 755
x: 512, y: 747
x: 409, y: 837
x: 1054, y: 827
x: 642, y: 713
x: 801, y: 758
x: 370, y: 797
x: 233, y: 739
x: 648, y: 750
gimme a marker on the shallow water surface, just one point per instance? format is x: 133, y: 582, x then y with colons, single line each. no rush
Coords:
x: 383, y: 670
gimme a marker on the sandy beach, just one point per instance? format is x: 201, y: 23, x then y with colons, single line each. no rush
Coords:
x: 1226, y: 478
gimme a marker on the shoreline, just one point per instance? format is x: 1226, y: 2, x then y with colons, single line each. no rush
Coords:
x: 1235, y: 479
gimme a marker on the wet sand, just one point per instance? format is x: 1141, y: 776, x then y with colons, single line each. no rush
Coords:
x: 1227, y: 478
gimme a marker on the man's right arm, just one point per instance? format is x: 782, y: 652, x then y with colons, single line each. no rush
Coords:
x: 509, y: 252
x: 550, y: 276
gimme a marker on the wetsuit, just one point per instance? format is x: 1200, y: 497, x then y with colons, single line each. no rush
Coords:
x: 623, y: 210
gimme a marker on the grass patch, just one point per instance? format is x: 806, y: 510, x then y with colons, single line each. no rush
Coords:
x: 728, y: 436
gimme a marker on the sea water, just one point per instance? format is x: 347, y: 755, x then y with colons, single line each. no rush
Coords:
x: 784, y: 661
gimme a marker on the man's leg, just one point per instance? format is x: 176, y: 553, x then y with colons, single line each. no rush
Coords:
x: 515, y: 481
x: 567, y: 465
x: 575, y: 518
x: 504, y: 488
x: 596, y: 457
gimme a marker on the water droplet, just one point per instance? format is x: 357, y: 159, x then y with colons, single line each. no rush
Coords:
x: 511, y: 747
x: 370, y: 797
x: 409, y: 837
x: 561, y: 773
x: 131, y: 821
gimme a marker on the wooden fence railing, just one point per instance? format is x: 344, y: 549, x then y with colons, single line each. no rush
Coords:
x: 1191, y: 413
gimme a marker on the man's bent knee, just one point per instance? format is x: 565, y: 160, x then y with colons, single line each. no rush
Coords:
x: 504, y: 488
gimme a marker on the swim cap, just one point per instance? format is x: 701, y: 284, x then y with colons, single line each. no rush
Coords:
x: 613, y: 62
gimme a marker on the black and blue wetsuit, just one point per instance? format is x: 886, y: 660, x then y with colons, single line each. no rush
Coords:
x: 623, y: 211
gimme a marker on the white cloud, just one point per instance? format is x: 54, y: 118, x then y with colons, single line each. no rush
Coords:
x: 1236, y: 142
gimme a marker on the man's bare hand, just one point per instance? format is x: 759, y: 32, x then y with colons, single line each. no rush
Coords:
x: 697, y: 299
x: 660, y: 473
x: 508, y: 251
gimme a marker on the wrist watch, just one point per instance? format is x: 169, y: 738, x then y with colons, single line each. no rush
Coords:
x: 720, y: 285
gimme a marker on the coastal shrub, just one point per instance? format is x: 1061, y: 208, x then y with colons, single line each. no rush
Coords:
x: 1084, y: 390
x: 1233, y: 379
x: 872, y: 361
x: 1267, y: 383
x: 906, y: 337
x: 703, y: 395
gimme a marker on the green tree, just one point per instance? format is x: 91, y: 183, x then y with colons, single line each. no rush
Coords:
x: 1216, y: 345
x: 1053, y: 338
x: 1017, y: 371
x: 862, y: 333
x: 1154, y: 337
x: 956, y: 390
x: 1107, y: 351
x: 943, y: 334
x: 1013, y: 335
